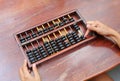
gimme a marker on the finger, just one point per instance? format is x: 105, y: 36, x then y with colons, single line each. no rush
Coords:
x: 36, y: 73
x: 90, y: 22
x: 21, y: 74
x: 87, y: 32
x: 91, y: 27
x: 25, y: 69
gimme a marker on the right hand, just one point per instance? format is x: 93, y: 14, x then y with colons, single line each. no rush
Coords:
x: 104, y: 30
x: 100, y: 28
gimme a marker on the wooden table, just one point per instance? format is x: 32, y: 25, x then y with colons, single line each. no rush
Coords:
x: 83, y: 62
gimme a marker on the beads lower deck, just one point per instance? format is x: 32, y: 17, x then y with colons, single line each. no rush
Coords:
x: 53, y: 37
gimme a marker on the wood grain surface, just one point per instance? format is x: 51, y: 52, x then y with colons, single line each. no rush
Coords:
x: 81, y: 63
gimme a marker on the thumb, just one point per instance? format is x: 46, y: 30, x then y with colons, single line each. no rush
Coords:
x: 36, y: 73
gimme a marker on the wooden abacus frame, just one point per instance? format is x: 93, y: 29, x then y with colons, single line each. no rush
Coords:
x: 81, y: 19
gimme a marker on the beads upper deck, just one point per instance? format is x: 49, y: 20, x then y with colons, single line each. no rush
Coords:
x: 48, y: 39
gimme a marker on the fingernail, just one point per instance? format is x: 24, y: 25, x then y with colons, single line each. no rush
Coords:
x: 34, y: 65
x: 25, y: 60
x: 88, y: 25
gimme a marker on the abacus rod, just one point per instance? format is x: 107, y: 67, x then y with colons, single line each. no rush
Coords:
x: 38, y: 42
x: 26, y: 33
x: 43, y: 39
x: 64, y: 33
x: 65, y: 30
x: 43, y: 27
x: 21, y: 35
x: 54, y: 35
x: 49, y: 37
x: 58, y: 20
x: 32, y: 45
x: 31, y: 31
x: 80, y: 32
x: 60, y: 32
x: 70, y: 28
x: 37, y: 28
x: 48, y: 24
x: 69, y: 16
x: 26, y: 47
x: 40, y: 28
x: 53, y: 21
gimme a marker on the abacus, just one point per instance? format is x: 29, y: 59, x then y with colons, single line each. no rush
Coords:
x: 53, y: 37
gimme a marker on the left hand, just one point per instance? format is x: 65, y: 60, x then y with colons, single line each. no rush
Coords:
x: 25, y: 74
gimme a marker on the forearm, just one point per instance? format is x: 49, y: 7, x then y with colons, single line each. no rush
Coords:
x: 116, y: 38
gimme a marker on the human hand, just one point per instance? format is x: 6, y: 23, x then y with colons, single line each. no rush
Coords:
x: 104, y: 30
x: 25, y: 74
x: 100, y: 28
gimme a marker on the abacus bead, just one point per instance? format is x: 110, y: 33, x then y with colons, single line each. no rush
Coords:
x: 40, y: 32
x: 41, y: 51
x: 51, y: 28
x: 76, y: 36
x: 61, y: 24
x: 60, y: 43
x: 62, y: 47
x: 53, y: 45
x: 48, y: 47
x: 28, y: 37
x: 56, y: 49
x: 74, y: 25
x: 67, y: 44
x: 50, y: 52
x: 55, y: 24
x: 36, y: 54
x: 58, y: 40
x: 52, y: 42
x: 65, y: 20
x: 74, y: 33
x: 73, y: 42
x: 39, y: 58
x: 45, y: 30
x: 70, y: 38
x: 69, y: 35
x: 22, y: 40
x: 63, y: 38
x: 32, y: 59
x: 40, y: 47
x: 46, y: 44
x: 34, y: 49
x: 77, y: 28
x: 71, y: 19
x: 44, y: 54
x: 78, y: 40
x: 29, y: 51
x: 34, y: 35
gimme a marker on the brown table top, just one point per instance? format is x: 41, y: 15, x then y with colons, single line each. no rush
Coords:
x: 83, y: 62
